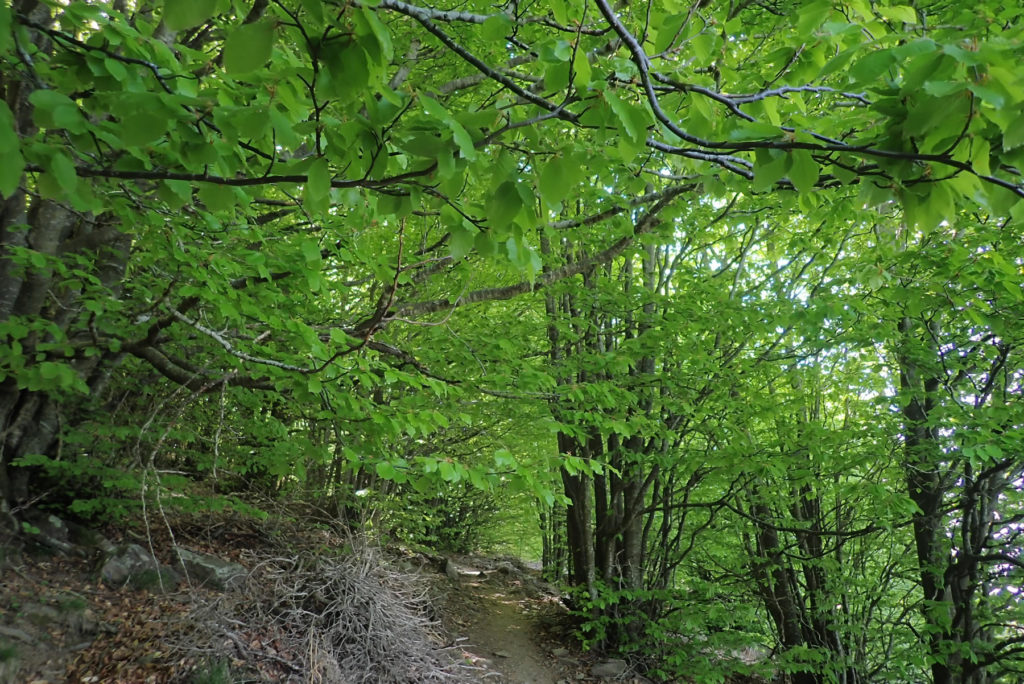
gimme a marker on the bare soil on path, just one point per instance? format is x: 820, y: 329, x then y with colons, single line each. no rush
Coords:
x: 510, y: 625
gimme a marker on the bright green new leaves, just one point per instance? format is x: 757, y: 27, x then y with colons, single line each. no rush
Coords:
x: 497, y: 27
x: 902, y: 13
x: 811, y: 16
x: 318, y: 186
x: 504, y: 205
x: 803, y: 171
x: 248, y: 47
x: 558, y: 176
x: 463, y: 237
x: 633, y: 119
x: 770, y: 167
x: 381, y: 48
x: 217, y: 198
x: 1013, y: 136
x: 184, y: 14
x: 460, y: 135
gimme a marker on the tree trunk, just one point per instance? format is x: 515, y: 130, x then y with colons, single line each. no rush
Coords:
x: 924, y: 485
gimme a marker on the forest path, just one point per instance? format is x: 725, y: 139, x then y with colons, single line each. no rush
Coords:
x: 510, y: 625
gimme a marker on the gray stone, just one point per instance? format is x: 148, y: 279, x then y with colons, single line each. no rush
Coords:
x: 451, y: 570
x: 212, y: 571
x: 15, y: 633
x: 612, y: 667
x: 126, y: 561
x: 40, y: 615
x: 560, y: 652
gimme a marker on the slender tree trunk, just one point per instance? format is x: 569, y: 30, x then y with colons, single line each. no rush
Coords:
x: 924, y: 485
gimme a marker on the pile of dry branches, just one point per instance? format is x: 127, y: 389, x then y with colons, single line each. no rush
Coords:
x: 334, y: 620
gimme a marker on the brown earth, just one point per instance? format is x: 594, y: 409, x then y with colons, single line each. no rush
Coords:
x: 59, y: 623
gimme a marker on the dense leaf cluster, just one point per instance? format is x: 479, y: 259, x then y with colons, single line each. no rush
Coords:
x: 727, y: 294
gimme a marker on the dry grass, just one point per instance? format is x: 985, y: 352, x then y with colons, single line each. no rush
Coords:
x: 330, y: 620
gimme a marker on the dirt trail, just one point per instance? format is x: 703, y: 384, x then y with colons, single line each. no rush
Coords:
x: 502, y: 616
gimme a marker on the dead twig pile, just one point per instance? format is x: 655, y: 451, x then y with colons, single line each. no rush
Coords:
x: 334, y: 620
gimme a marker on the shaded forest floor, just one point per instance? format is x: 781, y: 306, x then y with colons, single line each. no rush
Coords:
x: 484, y: 619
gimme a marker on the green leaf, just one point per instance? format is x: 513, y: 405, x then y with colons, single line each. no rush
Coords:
x: 463, y: 139
x: 252, y: 122
x: 485, y: 244
x: 284, y: 128
x: 558, y: 9
x: 115, y: 68
x: 311, y: 252
x: 9, y: 141
x: 943, y: 88
x: 555, y: 182
x: 248, y: 47
x: 447, y: 471
x: 184, y: 14
x: 56, y: 110
x: 769, y: 167
x: 386, y: 471
x: 581, y: 70
x: 867, y: 69
x: 217, y: 197
x: 811, y: 17
x: 380, y: 32
x: 315, y: 10
x: 1013, y: 135
x: 460, y: 135
x: 142, y: 128
x: 64, y: 171
x: 556, y: 76
x: 348, y: 69
x: 496, y: 27
x: 981, y: 152
x: 988, y: 95
x: 754, y: 130
x: 462, y: 238
x: 901, y: 13
x: 632, y: 119
x: 318, y: 180
x: 667, y: 30
x: 504, y: 205
x: 803, y: 171
x: 10, y: 172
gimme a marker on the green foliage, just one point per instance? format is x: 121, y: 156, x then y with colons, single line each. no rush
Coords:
x: 749, y: 308
x: 458, y: 519
x: 213, y: 672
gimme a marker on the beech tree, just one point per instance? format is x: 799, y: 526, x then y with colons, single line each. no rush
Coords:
x: 753, y: 269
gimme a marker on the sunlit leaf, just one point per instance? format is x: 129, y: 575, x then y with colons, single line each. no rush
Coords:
x: 248, y: 47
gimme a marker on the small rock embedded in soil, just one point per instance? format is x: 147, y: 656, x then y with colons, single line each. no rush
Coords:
x: 613, y: 667
x: 212, y: 571
x: 126, y: 560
